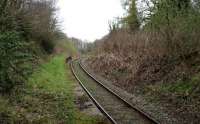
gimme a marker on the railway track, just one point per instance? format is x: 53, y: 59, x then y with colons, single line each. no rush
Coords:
x: 115, y: 108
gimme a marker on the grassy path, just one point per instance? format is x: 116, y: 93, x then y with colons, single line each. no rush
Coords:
x: 47, y: 98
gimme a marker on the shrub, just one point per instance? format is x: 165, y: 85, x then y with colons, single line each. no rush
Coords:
x: 177, y: 22
x: 48, y: 45
x: 15, y: 59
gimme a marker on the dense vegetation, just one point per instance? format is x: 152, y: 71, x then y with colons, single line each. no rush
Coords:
x: 47, y: 98
x: 28, y: 29
x: 36, y: 85
x: 155, y: 51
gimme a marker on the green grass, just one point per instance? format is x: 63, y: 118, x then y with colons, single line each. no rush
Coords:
x: 180, y: 92
x: 47, y: 98
x: 180, y: 87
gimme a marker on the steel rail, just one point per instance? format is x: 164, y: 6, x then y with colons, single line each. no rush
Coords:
x: 149, y: 117
x: 91, y: 97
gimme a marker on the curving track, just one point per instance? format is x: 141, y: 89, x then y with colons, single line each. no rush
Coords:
x: 115, y: 108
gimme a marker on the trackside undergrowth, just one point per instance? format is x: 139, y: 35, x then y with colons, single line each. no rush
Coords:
x: 47, y: 98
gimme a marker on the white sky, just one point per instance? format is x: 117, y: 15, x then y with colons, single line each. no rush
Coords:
x: 88, y: 19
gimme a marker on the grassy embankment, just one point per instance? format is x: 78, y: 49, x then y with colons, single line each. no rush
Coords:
x: 181, y: 93
x: 47, y: 98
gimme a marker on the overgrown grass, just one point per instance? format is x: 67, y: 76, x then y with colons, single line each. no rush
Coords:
x: 187, y: 88
x: 180, y: 95
x: 47, y: 98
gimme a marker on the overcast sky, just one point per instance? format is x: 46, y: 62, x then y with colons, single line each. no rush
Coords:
x: 88, y: 19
